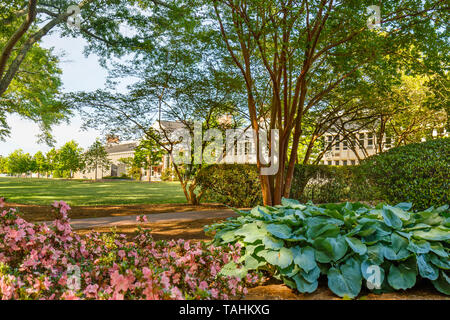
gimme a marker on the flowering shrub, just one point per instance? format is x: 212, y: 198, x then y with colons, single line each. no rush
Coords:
x: 38, y: 261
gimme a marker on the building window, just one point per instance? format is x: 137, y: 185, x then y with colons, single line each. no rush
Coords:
x: 353, y: 162
x: 337, y: 145
x: 361, y: 140
x: 247, y: 147
x: 388, y: 142
x: 330, y: 140
x: 336, y: 162
x: 345, y: 145
x: 330, y: 162
x: 235, y: 148
x: 370, y: 140
x: 344, y: 162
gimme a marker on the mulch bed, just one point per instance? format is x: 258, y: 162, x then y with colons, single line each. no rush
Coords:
x: 38, y: 213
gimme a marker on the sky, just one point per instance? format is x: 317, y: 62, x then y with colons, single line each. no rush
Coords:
x: 79, y: 74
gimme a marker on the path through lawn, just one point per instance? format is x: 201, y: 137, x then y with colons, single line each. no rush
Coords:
x: 87, y: 193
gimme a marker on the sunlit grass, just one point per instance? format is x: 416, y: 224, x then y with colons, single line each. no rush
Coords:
x: 79, y: 192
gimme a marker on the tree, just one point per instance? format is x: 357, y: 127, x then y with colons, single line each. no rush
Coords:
x: 70, y: 159
x: 95, y: 157
x: 52, y: 161
x: 308, y: 49
x: 19, y: 162
x: 41, y: 164
x: 134, y: 169
x: 29, y: 75
x: 178, y: 82
x: 148, y: 154
x: 3, y: 164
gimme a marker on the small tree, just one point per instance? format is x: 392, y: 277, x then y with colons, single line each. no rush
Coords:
x: 96, y: 156
x: 148, y: 154
x: 41, y: 163
x: 70, y: 158
x: 133, y: 168
x: 18, y: 162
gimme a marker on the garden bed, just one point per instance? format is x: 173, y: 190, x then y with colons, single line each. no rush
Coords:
x: 38, y: 213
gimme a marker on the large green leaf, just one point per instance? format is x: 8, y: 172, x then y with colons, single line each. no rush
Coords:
x: 282, y: 258
x: 442, y: 284
x: 391, y: 219
x: 397, y: 250
x: 419, y: 246
x: 279, y: 230
x: 442, y: 263
x: 346, y: 280
x: 330, y: 249
x: 231, y: 269
x: 251, y: 232
x: 304, y: 258
x: 427, y: 269
x: 272, y: 243
x: 402, y: 276
x: 322, y: 230
x: 435, y: 234
x: 304, y: 286
x: 356, y: 245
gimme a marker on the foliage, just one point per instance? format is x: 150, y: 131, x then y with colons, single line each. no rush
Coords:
x: 238, y: 185
x: 95, y: 157
x: 416, y: 172
x: 69, y: 159
x: 324, y: 183
x: 168, y: 175
x: 18, y: 162
x: 298, y: 243
x: 42, y: 262
x: 233, y: 184
x: 133, y: 169
x: 320, y: 58
x: 148, y: 154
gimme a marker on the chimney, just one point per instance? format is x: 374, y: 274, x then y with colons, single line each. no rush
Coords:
x: 112, y: 139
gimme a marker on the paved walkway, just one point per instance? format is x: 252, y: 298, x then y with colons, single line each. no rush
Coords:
x: 88, y: 223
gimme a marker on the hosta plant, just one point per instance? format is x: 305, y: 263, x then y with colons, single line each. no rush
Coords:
x: 386, y: 247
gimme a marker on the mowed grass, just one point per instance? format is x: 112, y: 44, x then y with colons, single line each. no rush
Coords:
x: 88, y: 193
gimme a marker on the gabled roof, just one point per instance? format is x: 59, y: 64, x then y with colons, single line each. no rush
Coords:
x: 122, y: 147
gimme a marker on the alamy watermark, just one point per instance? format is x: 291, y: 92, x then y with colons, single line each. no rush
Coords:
x: 374, y: 20
x: 374, y: 278
x: 74, y: 20
x: 73, y: 278
x: 241, y: 146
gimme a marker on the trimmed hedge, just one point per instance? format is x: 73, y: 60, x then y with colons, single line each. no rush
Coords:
x: 417, y: 173
x: 236, y: 185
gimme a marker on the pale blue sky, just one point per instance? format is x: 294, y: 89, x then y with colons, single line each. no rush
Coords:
x: 79, y: 74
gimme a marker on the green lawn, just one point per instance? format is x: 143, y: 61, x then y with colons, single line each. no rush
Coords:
x: 78, y: 192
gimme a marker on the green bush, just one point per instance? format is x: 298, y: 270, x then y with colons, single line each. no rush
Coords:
x: 417, y: 173
x: 388, y: 247
x: 239, y: 185
x: 323, y: 184
x: 236, y: 185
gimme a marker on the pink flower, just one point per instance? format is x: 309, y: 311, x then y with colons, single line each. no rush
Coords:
x: 203, y: 285
x: 2, y: 202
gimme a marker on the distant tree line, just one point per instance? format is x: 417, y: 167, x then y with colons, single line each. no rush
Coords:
x: 57, y: 163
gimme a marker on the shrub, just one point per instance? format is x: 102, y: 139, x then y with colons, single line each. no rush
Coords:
x: 418, y: 173
x: 52, y: 262
x: 233, y: 184
x: 239, y: 185
x: 388, y: 246
x: 323, y: 184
